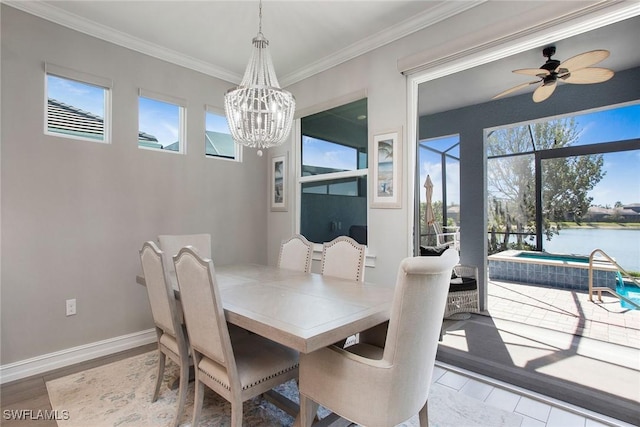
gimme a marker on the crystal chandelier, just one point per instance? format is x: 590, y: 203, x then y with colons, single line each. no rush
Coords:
x: 259, y: 113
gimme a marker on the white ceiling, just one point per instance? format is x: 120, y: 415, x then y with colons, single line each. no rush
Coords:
x: 309, y: 36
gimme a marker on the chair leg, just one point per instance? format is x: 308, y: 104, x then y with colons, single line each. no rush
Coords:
x: 161, y: 363
x: 423, y: 415
x: 197, y: 402
x: 236, y: 414
x: 308, y: 411
x: 182, y: 391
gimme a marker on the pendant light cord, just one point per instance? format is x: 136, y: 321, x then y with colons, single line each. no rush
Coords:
x: 260, y: 17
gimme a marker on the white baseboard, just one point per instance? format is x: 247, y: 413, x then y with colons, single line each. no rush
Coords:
x: 59, y: 359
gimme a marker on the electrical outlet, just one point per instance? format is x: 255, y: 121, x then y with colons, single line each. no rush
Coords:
x: 71, y: 307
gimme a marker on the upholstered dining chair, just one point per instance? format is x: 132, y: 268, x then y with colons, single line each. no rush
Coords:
x: 237, y: 368
x: 295, y: 254
x: 343, y: 257
x: 384, y: 386
x: 172, y: 339
x: 172, y: 243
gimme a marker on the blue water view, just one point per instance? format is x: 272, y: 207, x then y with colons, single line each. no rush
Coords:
x: 621, y: 244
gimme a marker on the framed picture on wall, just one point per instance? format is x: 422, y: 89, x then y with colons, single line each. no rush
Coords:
x: 278, y: 179
x: 387, y: 170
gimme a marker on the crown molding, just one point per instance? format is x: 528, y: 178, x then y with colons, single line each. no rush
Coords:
x: 431, y: 16
x: 589, y: 18
x: 103, y: 32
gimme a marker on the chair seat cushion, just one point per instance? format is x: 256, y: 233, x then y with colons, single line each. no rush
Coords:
x: 460, y: 284
x: 433, y: 250
x: 258, y: 359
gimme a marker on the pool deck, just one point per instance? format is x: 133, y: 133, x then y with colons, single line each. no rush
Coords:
x: 554, y: 342
x: 565, y: 310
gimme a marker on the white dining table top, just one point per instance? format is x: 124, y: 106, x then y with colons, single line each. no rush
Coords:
x: 304, y: 311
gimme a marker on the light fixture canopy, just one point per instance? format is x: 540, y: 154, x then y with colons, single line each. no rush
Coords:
x: 259, y: 112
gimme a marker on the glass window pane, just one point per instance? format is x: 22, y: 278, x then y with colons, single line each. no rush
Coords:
x: 335, y: 140
x: 330, y: 208
x: 598, y: 209
x: 75, y: 109
x: 218, y: 140
x: 511, y: 203
x: 320, y: 157
x: 439, y: 158
x: 159, y: 125
x: 596, y: 127
x: 580, y: 129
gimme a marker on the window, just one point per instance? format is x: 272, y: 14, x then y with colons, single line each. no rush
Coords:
x: 161, y: 122
x: 439, y: 159
x: 77, y: 104
x: 333, y: 173
x: 553, y: 182
x: 217, y: 136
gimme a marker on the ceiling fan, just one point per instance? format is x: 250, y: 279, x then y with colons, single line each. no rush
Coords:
x: 576, y: 70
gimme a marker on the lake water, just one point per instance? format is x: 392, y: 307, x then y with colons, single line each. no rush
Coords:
x: 621, y: 244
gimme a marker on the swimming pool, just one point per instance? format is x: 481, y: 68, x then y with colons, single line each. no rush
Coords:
x: 631, y: 291
x: 565, y: 271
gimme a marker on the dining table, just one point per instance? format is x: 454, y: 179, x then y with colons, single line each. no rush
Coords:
x: 303, y: 311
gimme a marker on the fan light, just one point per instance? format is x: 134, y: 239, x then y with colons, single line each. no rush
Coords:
x: 259, y: 113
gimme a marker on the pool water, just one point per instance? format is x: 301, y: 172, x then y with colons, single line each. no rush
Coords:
x: 552, y: 257
x: 629, y: 291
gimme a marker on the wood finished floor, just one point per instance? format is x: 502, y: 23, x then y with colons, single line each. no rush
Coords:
x: 31, y: 393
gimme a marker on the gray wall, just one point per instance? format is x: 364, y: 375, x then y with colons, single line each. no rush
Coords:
x: 75, y: 213
x: 470, y: 123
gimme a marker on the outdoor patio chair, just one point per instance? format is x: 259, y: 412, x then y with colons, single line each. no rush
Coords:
x: 451, y: 238
x: 463, y: 291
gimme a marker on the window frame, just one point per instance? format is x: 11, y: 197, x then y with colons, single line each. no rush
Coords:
x: 182, y: 119
x: 208, y: 109
x: 84, y: 78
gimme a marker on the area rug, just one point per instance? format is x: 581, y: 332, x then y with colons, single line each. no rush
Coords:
x: 119, y: 394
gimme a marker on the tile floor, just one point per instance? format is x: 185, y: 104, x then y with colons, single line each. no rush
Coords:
x: 535, y: 409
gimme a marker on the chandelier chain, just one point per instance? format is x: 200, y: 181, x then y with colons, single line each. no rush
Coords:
x: 260, y: 17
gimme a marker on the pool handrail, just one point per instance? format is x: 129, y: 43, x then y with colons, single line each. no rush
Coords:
x: 600, y: 289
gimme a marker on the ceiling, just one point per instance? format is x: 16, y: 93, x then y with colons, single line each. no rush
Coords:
x: 309, y: 36
x: 479, y: 84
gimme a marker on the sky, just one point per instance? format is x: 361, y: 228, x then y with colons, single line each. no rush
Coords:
x: 621, y: 182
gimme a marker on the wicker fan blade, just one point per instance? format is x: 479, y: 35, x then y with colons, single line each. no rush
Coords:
x: 588, y: 75
x: 515, y: 88
x: 544, y: 91
x: 583, y: 60
x: 536, y: 72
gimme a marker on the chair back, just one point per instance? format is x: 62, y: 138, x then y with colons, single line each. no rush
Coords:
x: 295, y: 254
x: 160, y: 291
x: 414, y: 326
x: 343, y: 257
x: 172, y: 243
x: 202, y: 307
